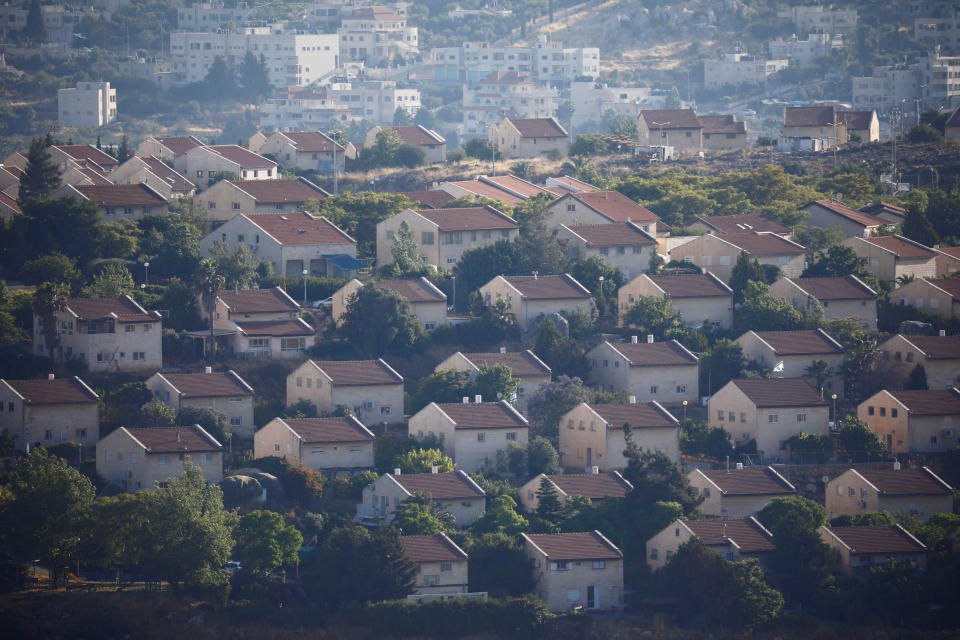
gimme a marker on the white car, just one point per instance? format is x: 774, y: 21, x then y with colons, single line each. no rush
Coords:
x: 326, y: 302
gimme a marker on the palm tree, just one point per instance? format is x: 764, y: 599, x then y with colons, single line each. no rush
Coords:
x: 49, y: 299
x: 819, y: 370
x: 905, y: 279
x: 209, y: 284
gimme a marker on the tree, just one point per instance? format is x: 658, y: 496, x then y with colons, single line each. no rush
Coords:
x: 837, y: 261
x: 209, y: 282
x: 500, y: 517
x: 551, y: 402
x: 446, y: 385
x: 563, y: 354
x: 859, y: 441
x: 188, y: 532
x: 378, y: 320
x: 802, y: 560
x: 495, y: 383
x: 401, y: 117
x: 420, y: 516
x: 406, y: 252
x: 173, y: 244
x: 65, y: 225
x: 917, y: 380
x: 48, y: 300
x: 722, y: 363
x: 809, y: 447
x: 265, y: 543
x: 744, y: 272
x: 220, y: 81
x: 41, y: 177
x: 123, y: 151
x: 542, y: 457
x: 655, y: 316
x: 481, y: 150
x: 479, y: 265
x: 696, y: 438
x: 353, y: 564
x: 54, y: 267
x: 157, y: 413
x: 47, y: 510
x: 116, y: 531
x: 599, y: 277
x: 239, y: 269
x: 819, y: 371
x: 35, y: 29
x: 537, y: 247
x: 213, y: 422
x: 359, y: 213
x: 784, y: 512
x: 423, y: 461
x: 254, y: 76
x: 113, y: 281
x: 765, y: 312
x: 497, y: 565
x: 917, y: 227
x: 548, y: 501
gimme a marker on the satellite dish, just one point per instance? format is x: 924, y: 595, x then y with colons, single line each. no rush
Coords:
x: 826, y: 479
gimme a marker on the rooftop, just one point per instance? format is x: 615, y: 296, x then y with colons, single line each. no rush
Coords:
x: 179, y: 145
x: 876, y: 208
x: 594, y: 486
x: 655, y: 354
x: 932, y: 402
x: 485, y: 190
x: 800, y: 342
x: 57, y: 391
x: 548, y: 287
x: 324, y: 430
x: 692, y: 285
x: 517, y: 186
x: 184, y: 439
x: 275, y: 328
x: 722, y: 125
x: 937, y: 347
x: 434, y: 199
x: 125, y: 309
x: 468, y: 219
x: 284, y: 190
x: 312, y: 141
x: 838, y: 288
x: 949, y: 285
x: 877, y: 539
x: 904, y: 248
x: 419, y: 136
x: 415, y: 290
x: 747, y: 534
x: 208, y: 385
x: 435, y: 548
x: 780, y: 392
x: 671, y: 119
x: 300, y: 228
x: 122, y: 195
x: 589, y: 545
x: 440, y: 486
x: 538, y: 127
x: 906, y: 482
x: 616, y: 234
x: 521, y: 363
x: 640, y: 415
x: 88, y: 152
x: 808, y: 116
x: 573, y: 185
x: 763, y: 244
x: 744, y: 222
x: 856, y: 120
x: 483, y: 415
x: 244, y: 157
x: 763, y: 481
x: 176, y: 181
x: 615, y: 206
x: 358, y: 372
x: 258, y: 300
x: 851, y: 214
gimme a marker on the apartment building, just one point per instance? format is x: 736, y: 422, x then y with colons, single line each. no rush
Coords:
x: 89, y: 104
x: 811, y: 18
x: 374, y: 100
x: 817, y: 45
x: 501, y: 94
x: 738, y: 69
x: 375, y: 33
x: 546, y: 62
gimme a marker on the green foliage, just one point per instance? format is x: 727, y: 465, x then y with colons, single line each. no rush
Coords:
x: 866, y: 519
x: 500, y: 517
x: 744, y: 272
x: 265, y: 543
x: 481, y: 150
x: 802, y: 560
x: 807, y: 448
x: 859, y: 441
x: 239, y: 268
x: 65, y: 225
x: 762, y: 311
x: 588, y: 145
x: 420, y: 516
x: 48, y: 300
x: 359, y: 213
x: 157, y: 414
x: 589, y: 272
x: 537, y: 247
x: 213, y: 422
x: 836, y: 261
x: 423, y: 460
x: 917, y: 380
x: 817, y: 238
x: 548, y: 501
x: 446, y: 385
x: 494, y: 383
x: 479, y: 265
x: 563, y: 354
x: 41, y: 177
x: 722, y: 363
x: 497, y: 564
x: 654, y: 315
x: 784, y: 512
x: 405, y: 252
x: 388, y: 150
x: 379, y: 321
x: 917, y: 227
x: 113, y: 281
x: 542, y: 457
x: 54, y: 267
x: 173, y: 244
x: 923, y: 133
x: 696, y: 438
x: 551, y: 402
x: 114, y: 538
x: 254, y: 76
x: 302, y: 485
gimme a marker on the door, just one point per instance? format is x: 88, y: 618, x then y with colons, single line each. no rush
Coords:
x: 589, y: 457
x: 889, y: 442
x: 591, y: 597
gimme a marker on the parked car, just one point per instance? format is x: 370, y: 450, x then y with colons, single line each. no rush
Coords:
x: 232, y: 566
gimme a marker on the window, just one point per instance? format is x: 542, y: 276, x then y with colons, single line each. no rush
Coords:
x: 293, y: 344
x: 48, y: 435
x: 773, y: 418
x: 894, y: 413
x: 299, y: 382
x: 130, y: 328
x: 512, y: 435
x: 431, y: 581
x: 258, y: 343
x: 236, y: 207
x: 870, y: 411
x: 653, y: 554
x: 235, y: 421
x: 446, y: 567
x: 571, y: 207
x: 720, y: 416
x: 384, y: 411
x: 731, y: 416
x: 883, y: 411
x: 163, y: 460
x: 604, y: 251
x: 147, y: 327
x: 10, y: 407
x: 933, y: 441
x: 653, y: 390
x: 481, y: 437
x: 276, y: 446
x: 139, y: 355
x: 391, y: 235
x: 743, y: 417
x: 560, y: 565
x: 599, y: 564
x: 426, y: 237
x: 801, y: 417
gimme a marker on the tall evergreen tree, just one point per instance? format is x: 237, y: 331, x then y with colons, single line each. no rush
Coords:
x: 123, y: 151
x: 35, y: 29
x: 743, y: 272
x: 548, y: 501
x: 41, y: 176
x: 405, y: 251
x: 917, y: 227
x: 254, y: 76
x: 917, y: 380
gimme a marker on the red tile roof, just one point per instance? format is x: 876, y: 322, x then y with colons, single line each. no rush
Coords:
x: 574, y: 185
x: 179, y: 145
x: 275, y: 328
x: 780, y: 392
x: 88, y: 152
x: 538, y: 127
x: 440, y: 486
x: 950, y: 285
x: 950, y: 251
x: 10, y: 202
x: 670, y: 119
x: 763, y: 481
x: 878, y: 539
x: 640, y: 415
x: 469, y: 219
x: 243, y: 157
x: 208, y: 385
x: 906, y: 482
x: 548, y: 287
x: 417, y: 290
x: 937, y: 347
x: 521, y: 363
x: 744, y: 222
x: 808, y: 116
x: 614, y: 234
x: 722, y: 124
x: 615, y: 206
x: 258, y: 300
x: 300, y: 228
x: 184, y: 439
x: 435, y: 548
x: 856, y: 120
x: 932, y: 402
x: 589, y: 545
x: 485, y: 190
x: 594, y: 486
x: 312, y: 141
x: 324, y: 430
x: 876, y: 208
x: 842, y: 210
x: 747, y: 534
x: 122, y: 195
x: 903, y: 247
x: 517, y: 186
x: 57, y: 391
x: 284, y: 190
x: 419, y: 136
x: 434, y: 199
x: 692, y: 285
x: 95, y: 175
x: 763, y: 244
x: 125, y: 309
x: 800, y: 343
x: 358, y: 372
x: 484, y: 415
x: 838, y: 288
x: 655, y: 354
x: 176, y: 181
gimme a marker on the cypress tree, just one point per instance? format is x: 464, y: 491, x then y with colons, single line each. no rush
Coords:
x: 41, y: 176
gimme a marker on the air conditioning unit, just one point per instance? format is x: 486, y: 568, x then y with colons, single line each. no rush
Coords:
x: 128, y: 474
x: 948, y: 433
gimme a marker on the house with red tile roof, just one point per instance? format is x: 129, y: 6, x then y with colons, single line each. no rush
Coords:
x: 167, y: 148
x: 443, y: 235
x: 665, y: 372
x: 886, y: 211
x: 732, y: 539
x: 65, y: 155
x: 861, y: 548
x: 508, y: 189
x: 938, y: 355
x: 224, y: 391
x: 441, y: 564
x: 472, y: 433
x: 948, y: 260
x: 372, y: 389
x: 575, y: 570
x: 723, y: 133
x: 595, y: 487
x: 620, y: 244
x: 768, y: 411
x: 863, y: 124
x: 529, y: 370
x: 738, y: 492
x: 202, y: 164
x: 529, y: 137
x: 253, y: 304
x: 433, y: 145
x: 561, y: 185
x: 838, y: 297
x: 677, y: 128
x: 789, y: 354
x: 718, y: 253
x: 156, y: 174
x: 435, y: 199
x: 427, y: 303
x: 701, y: 298
x: 455, y: 492
x: 104, y: 334
x: 940, y: 296
x: 10, y: 180
x: 739, y: 223
x: 142, y: 458
x: 919, y: 492
x: 890, y: 257
x: 814, y: 123
x: 592, y: 435
x: 529, y: 297
x: 603, y: 207
x: 304, y: 149
x: 332, y: 446
x: 290, y: 242
x: 914, y: 421
x: 119, y: 201
x: 836, y: 215
x: 49, y: 410
x: 9, y: 207
x: 228, y: 198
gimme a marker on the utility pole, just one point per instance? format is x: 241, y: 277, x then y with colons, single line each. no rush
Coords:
x: 916, y: 112
x: 335, y: 166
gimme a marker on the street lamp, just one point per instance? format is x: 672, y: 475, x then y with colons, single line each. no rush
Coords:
x: 454, y: 278
x: 146, y: 272
x: 684, y: 410
x: 305, y: 287
x: 603, y: 299
x: 834, y: 398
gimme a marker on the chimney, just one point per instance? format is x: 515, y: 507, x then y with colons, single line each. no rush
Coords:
x: 649, y: 338
x: 434, y: 469
x: 633, y: 399
x: 397, y: 471
x: 178, y: 435
x: 896, y: 465
x: 739, y: 466
x: 478, y: 398
x: 943, y: 333
x: 51, y: 376
x: 595, y: 470
x: 633, y: 339
x: 208, y: 369
x: 503, y: 349
x: 466, y: 399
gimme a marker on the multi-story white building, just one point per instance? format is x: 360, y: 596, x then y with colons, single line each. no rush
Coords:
x: 546, y: 62
x: 505, y: 94
x: 591, y: 101
x: 292, y: 59
x: 89, y: 104
x: 737, y: 69
x: 806, y: 51
x: 887, y: 88
x: 208, y: 16
x: 813, y: 18
x: 940, y: 80
x: 296, y: 108
x: 374, y: 100
x: 375, y: 33
x: 942, y: 31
